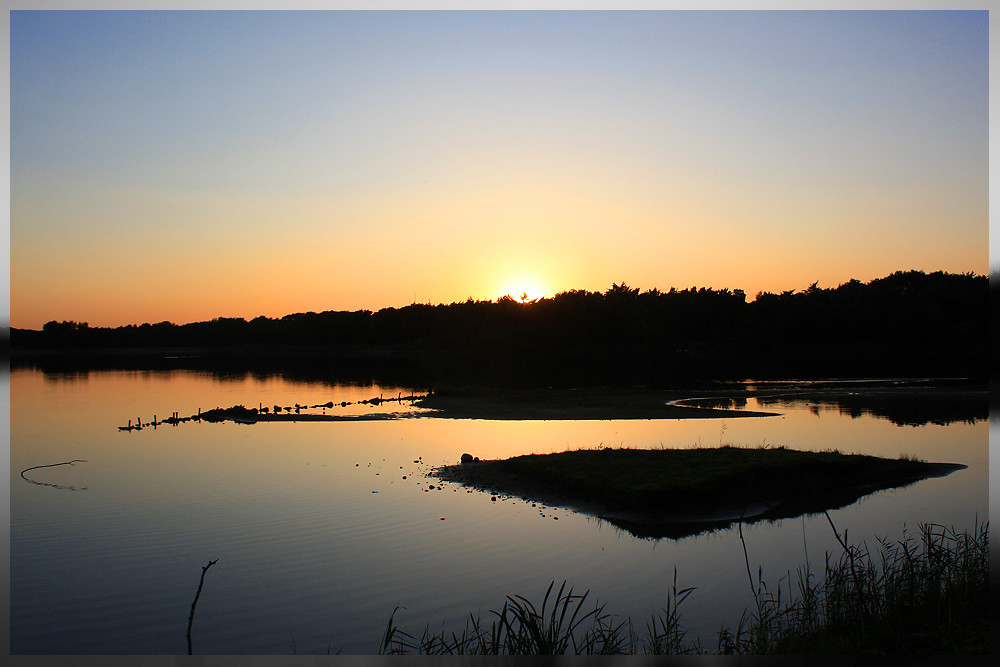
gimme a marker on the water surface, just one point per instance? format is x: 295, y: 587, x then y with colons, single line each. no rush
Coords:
x: 321, y: 529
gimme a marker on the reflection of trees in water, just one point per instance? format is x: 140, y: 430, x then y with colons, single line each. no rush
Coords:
x: 50, y: 465
x: 325, y: 369
x: 901, y: 410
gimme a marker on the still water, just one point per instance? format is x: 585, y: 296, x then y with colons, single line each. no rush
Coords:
x: 322, y: 529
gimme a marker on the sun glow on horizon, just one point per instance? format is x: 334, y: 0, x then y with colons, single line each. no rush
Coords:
x: 524, y: 289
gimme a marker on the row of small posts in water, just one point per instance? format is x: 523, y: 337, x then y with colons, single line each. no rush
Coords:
x: 213, y: 415
x: 173, y: 420
x: 378, y: 400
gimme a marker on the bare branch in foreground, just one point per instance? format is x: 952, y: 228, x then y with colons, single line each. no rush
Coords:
x: 201, y: 583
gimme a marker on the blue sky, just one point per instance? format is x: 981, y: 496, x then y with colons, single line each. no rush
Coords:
x: 183, y: 166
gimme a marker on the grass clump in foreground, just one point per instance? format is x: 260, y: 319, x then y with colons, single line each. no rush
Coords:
x: 917, y: 597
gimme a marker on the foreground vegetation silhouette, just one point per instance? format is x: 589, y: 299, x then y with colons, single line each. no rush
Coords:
x: 907, y: 323
x: 923, y: 595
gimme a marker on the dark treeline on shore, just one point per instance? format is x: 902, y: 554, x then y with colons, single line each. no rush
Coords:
x: 908, y: 323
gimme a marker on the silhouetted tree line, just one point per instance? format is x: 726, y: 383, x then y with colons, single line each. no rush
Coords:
x: 907, y: 323
x: 995, y: 319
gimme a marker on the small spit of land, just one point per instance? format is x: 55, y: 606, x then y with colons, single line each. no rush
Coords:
x: 529, y: 404
x: 582, y: 403
x: 903, y: 401
x: 676, y: 492
x: 291, y: 413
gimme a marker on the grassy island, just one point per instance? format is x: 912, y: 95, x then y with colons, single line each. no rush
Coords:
x: 675, y: 492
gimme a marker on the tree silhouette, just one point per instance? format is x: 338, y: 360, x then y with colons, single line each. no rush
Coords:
x: 907, y: 322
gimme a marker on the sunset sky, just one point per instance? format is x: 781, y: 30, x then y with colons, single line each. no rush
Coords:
x: 183, y: 166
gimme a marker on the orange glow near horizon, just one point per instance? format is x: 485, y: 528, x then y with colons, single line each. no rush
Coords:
x: 242, y: 294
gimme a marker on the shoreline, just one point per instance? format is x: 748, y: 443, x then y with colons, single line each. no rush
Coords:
x: 590, y: 404
x: 599, y: 404
x: 490, y: 408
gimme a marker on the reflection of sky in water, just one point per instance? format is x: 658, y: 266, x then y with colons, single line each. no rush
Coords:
x: 319, y: 536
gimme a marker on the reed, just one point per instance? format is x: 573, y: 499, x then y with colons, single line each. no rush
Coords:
x: 664, y: 633
x: 925, y: 594
x: 522, y: 629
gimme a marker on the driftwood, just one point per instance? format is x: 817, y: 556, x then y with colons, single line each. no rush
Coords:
x: 201, y: 583
x: 49, y: 465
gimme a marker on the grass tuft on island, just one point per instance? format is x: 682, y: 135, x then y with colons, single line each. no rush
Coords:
x: 674, y: 492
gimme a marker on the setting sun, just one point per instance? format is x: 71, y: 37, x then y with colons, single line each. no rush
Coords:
x: 524, y: 289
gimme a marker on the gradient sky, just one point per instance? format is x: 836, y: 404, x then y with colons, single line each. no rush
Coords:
x: 188, y: 165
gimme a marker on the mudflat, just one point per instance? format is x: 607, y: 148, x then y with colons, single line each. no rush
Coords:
x: 582, y: 404
x: 916, y: 401
x: 587, y: 404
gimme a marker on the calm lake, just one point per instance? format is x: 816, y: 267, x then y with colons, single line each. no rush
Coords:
x: 322, y: 529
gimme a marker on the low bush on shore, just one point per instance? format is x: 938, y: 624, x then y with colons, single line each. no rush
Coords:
x: 925, y: 594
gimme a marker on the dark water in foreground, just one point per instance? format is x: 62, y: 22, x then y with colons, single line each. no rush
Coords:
x: 322, y: 529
